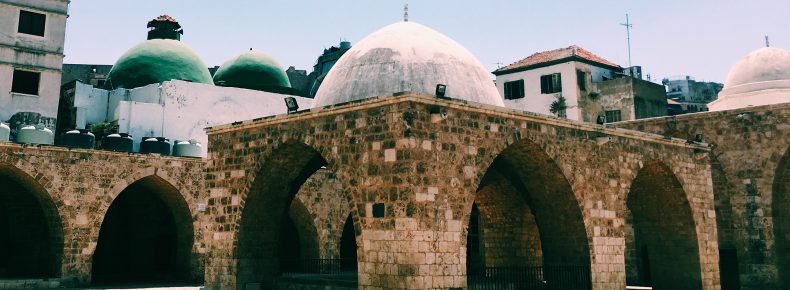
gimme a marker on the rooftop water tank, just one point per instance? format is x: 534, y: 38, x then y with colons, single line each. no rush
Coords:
x: 35, y: 135
x: 79, y: 138
x: 189, y: 148
x: 5, y: 133
x: 120, y: 142
x: 158, y: 145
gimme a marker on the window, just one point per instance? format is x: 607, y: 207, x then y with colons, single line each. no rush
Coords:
x: 31, y: 23
x: 25, y: 82
x: 613, y: 116
x: 581, y: 80
x: 550, y: 84
x: 514, y: 90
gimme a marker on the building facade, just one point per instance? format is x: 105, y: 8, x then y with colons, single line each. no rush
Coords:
x: 576, y: 84
x: 692, y: 96
x: 32, y: 35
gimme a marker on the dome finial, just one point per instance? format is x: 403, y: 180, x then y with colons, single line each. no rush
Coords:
x: 406, y: 12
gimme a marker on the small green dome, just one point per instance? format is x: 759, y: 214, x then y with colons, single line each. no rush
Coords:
x: 253, y: 70
x: 155, y: 61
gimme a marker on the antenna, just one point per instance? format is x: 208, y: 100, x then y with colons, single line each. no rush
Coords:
x: 767, y: 43
x: 406, y: 12
x: 628, y: 25
x: 498, y: 64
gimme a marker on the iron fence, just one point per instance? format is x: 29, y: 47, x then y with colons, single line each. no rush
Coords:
x: 573, y: 277
x: 319, y: 266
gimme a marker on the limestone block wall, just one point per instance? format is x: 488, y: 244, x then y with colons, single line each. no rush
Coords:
x: 412, y: 167
x: 328, y: 208
x: 748, y: 149
x: 77, y: 187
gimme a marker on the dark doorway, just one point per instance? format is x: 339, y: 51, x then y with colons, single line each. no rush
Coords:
x: 348, y: 247
x: 290, y: 247
x: 728, y: 268
x: 474, y: 250
x: 30, y: 240
x: 142, y: 241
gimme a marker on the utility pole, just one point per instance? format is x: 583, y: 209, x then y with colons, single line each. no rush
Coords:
x: 628, y: 25
x: 767, y: 44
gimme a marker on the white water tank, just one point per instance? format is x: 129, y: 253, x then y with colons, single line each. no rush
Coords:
x: 189, y: 148
x: 35, y: 135
x: 5, y: 133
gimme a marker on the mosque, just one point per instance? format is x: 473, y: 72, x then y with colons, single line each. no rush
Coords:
x: 406, y: 170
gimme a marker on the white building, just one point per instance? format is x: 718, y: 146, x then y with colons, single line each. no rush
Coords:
x: 177, y: 110
x: 585, y: 81
x: 32, y: 34
x: 762, y: 77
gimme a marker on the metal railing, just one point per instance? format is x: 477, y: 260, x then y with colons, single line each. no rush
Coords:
x: 319, y: 266
x: 573, y: 277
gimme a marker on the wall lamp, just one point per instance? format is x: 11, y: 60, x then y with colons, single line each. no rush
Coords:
x: 290, y: 102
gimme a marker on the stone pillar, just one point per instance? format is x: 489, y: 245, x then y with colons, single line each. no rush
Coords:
x: 410, y: 198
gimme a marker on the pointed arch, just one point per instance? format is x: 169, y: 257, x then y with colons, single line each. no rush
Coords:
x: 527, y: 170
x: 665, y: 245
x: 780, y: 211
x: 31, y: 228
x: 148, y: 226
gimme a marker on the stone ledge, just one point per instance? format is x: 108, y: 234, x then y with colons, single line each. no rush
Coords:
x: 452, y: 104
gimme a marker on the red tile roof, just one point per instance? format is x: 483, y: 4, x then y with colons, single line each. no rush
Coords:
x: 555, y: 55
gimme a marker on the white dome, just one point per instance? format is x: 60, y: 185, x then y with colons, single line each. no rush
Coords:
x: 762, y: 65
x: 406, y: 56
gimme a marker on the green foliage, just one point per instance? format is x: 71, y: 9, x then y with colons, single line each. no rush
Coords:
x: 558, y: 106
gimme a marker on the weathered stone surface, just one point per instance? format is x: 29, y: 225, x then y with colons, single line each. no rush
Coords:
x: 424, y: 159
x: 78, y: 186
x: 749, y: 167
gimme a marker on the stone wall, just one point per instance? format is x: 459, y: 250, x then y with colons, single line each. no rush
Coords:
x: 748, y: 146
x: 411, y: 167
x: 75, y: 188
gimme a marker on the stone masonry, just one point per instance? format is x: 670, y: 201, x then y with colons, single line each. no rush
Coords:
x: 75, y: 189
x: 750, y: 168
x: 413, y: 166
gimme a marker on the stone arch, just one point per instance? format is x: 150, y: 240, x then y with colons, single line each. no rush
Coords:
x: 348, y: 249
x: 664, y: 244
x: 525, y: 170
x: 319, y: 190
x: 34, y: 247
x: 780, y: 212
x: 303, y: 222
x: 275, y: 181
x: 728, y: 220
x: 149, y: 227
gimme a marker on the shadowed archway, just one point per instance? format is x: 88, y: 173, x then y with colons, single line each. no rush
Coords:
x: 663, y: 243
x: 781, y: 216
x: 531, y: 220
x: 265, y: 221
x: 146, y: 237
x: 31, y: 232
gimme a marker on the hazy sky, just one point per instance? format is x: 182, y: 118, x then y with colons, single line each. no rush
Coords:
x: 701, y: 38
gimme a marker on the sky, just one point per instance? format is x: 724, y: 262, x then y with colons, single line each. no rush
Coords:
x: 672, y: 38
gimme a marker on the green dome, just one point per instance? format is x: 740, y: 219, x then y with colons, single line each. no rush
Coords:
x: 155, y: 61
x: 252, y: 70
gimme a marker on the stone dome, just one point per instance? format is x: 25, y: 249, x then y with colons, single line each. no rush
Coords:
x: 252, y: 70
x: 762, y: 65
x: 155, y: 61
x: 407, y: 56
